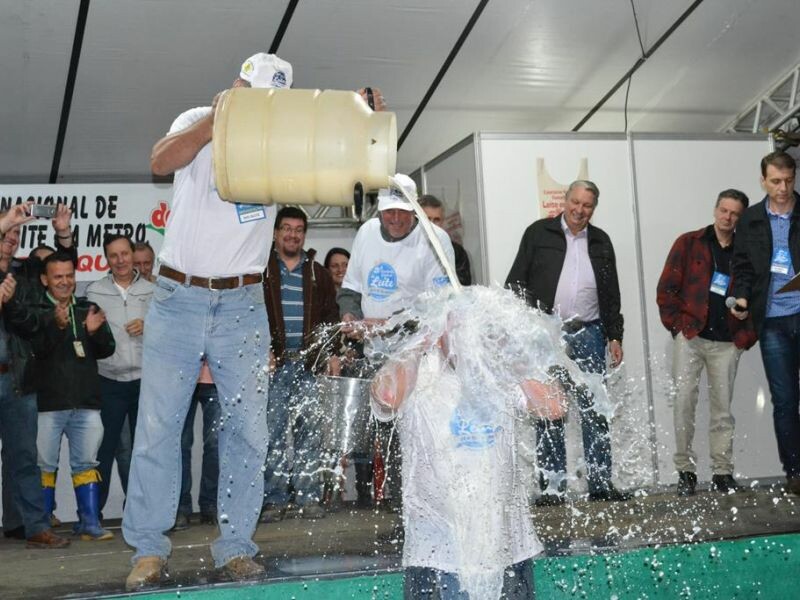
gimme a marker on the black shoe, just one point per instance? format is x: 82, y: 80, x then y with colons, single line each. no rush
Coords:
x: 724, y: 484
x: 686, y: 483
x: 610, y: 494
x: 18, y: 533
x: 208, y: 518
x: 549, y: 500
x: 181, y: 522
x: 793, y: 485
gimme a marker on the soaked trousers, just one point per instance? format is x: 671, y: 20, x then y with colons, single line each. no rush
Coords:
x: 587, y: 347
x: 720, y: 360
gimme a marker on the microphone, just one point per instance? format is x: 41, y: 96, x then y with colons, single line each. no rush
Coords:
x: 730, y: 302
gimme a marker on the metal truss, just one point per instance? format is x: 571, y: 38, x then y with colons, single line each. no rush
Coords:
x: 339, y: 216
x: 777, y: 111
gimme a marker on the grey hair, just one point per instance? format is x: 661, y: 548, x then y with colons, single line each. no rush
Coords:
x: 587, y: 185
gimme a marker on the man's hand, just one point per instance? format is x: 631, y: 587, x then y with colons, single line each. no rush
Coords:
x: 62, y: 315
x: 16, y: 215
x: 7, y: 288
x: 359, y: 329
x: 740, y: 314
x: 377, y: 98
x: 61, y: 222
x: 135, y: 328
x: 94, y: 320
x: 334, y: 366
x: 273, y: 364
x: 615, y: 349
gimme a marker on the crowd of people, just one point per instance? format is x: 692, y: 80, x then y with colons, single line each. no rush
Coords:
x: 232, y: 331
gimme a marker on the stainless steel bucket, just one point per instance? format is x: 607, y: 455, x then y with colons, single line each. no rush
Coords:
x: 345, y: 418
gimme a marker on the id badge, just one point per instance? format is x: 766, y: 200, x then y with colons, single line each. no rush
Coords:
x: 250, y: 212
x: 77, y: 345
x: 719, y: 283
x: 780, y: 261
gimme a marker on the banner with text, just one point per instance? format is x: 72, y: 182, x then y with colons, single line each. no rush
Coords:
x: 138, y: 210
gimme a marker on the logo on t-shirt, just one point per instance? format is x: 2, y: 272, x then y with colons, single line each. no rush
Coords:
x: 471, y: 434
x: 381, y: 282
x: 441, y: 281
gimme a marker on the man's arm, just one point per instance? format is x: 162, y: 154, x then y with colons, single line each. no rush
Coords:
x: 517, y: 280
x: 349, y: 302
x: 669, y: 286
x: 742, y: 269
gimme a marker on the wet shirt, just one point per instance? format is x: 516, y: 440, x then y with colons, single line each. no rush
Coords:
x: 292, y: 303
x: 716, y: 329
x: 781, y: 267
x: 464, y: 505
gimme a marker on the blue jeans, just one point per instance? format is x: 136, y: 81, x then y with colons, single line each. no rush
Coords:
x: 205, y: 394
x: 23, y: 504
x: 84, y: 430
x: 432, y: 584
x: 587, y: 347
x: 186, y: 325
x: 780, y: 352
x: 293, y: 403
x: 120, y: 400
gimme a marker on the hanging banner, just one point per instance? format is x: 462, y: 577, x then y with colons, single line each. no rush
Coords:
x: 551, y: 192
x: 137, y: 210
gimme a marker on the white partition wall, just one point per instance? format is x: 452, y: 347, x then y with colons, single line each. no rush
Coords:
x: 652, y: 189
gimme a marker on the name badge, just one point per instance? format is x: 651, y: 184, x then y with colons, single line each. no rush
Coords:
x: 250, y: 212
x: 780, y: 261
x: 719, y: 283
x: 77, y: 345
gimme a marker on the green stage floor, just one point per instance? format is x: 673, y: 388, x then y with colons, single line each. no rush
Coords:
x: 760, y: 567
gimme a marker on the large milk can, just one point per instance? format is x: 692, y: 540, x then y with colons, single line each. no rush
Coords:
x: 300, y: 146
x: 345, y: 414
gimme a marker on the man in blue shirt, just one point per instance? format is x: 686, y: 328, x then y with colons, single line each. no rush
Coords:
x: 766, y: 257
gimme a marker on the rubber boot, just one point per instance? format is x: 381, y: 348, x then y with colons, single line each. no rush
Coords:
x: 49, y: 494
x: 87, y: 494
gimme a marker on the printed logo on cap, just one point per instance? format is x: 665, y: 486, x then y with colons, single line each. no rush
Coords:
x: 381, y: 282
x: 279, y: 79
x: 248, y: 67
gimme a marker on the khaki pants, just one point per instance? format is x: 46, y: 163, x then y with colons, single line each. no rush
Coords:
x: 720, y: 360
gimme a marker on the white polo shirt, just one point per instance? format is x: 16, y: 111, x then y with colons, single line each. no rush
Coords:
x: 207, y: 236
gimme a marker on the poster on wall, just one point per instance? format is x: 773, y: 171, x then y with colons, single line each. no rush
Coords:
x: 551, y: 192
x: 137, y: 210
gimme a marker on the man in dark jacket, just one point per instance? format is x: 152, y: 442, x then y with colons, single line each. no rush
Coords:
x: 434, y: 209
x: 68, y: 335
x: 300, y: 295
x: 567, y: 265
x: 766, y: 256
x: 27, y: 514
x: 691, y: 299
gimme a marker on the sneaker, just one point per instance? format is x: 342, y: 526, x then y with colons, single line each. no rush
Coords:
x: 181, y: 522
x: 47, y: 539
x: 241, y: 568
x: 724, y: 484
x: 272, y: 513
x: 793, y: 485
x: 312, y: 511
x: 610, y: 494
x: 147, y: 572
x: 686, y: 483
x: 549, y: 500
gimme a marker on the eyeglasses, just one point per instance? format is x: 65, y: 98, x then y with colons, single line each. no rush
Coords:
x: 288, y: 229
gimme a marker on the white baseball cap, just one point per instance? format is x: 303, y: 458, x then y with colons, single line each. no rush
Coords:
x: 266, y: 71
x: 392, y: 198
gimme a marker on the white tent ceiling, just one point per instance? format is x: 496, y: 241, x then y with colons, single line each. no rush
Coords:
x: 535, y: 65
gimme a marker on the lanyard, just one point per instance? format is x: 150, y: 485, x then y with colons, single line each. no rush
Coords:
x: 71, y: 312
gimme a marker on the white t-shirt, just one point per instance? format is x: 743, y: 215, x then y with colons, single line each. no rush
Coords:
x: 207, y: 236
x: 464, y: 500
x: 390, y: 274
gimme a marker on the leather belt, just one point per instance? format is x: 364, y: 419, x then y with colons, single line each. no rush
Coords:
x: 211, y: 283
x: 573, y: 326
x: 4, y: 368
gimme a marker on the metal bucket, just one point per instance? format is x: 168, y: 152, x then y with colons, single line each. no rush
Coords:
x: 345, y: 418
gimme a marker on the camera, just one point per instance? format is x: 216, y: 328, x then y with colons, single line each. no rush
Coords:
x: 43, y: 211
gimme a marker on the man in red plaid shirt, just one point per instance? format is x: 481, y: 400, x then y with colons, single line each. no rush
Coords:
x: 691, y: 298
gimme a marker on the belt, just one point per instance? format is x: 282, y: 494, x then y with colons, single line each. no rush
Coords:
x: 573, y: 326
x: 293, y: 355
x: 211, y: 283
x: 4, y: 368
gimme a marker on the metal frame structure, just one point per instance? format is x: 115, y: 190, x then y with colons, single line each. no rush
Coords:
x: 779, y: 108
